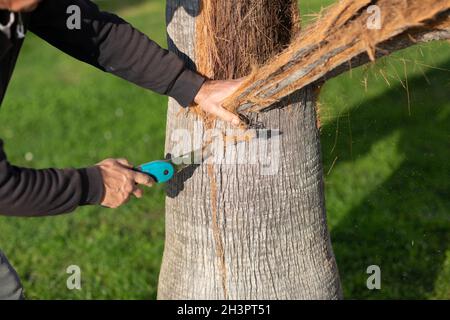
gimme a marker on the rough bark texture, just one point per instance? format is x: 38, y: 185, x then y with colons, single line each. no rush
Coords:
x: 272, y: 228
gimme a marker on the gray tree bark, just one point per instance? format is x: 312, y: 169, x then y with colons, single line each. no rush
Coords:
x: 257, y: 236
x: 272, y: 228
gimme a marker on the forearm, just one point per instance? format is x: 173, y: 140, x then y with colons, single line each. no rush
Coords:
x: 28, y: 192
x: 113, y: 45
x: 131, y: 55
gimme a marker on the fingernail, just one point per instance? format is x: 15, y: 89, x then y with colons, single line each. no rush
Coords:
x: 236, y: 122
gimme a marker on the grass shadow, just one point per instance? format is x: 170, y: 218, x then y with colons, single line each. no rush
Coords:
x: 403, y: 224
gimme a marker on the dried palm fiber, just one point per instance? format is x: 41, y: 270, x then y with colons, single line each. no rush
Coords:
x: 338, y: 41
x: 232, y: 38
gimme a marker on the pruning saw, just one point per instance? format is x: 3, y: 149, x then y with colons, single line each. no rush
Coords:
x: 164, y: 170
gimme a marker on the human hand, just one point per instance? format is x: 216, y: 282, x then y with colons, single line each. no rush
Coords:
x: 19, y: 5
x: 213, y: 93
x: 121, y: 181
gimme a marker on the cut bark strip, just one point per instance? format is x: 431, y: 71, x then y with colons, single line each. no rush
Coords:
x: 339, y: 41
x: 220, y: 253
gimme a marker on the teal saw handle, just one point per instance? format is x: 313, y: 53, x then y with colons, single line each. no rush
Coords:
x: 161, y: 171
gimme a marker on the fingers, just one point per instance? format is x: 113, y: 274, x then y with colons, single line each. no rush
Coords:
x: 223, y: 113
x: 138, y: 193
x: 144, y: 179
x: 213, y: 93
x: 125, y: 163
x: 119, y: 180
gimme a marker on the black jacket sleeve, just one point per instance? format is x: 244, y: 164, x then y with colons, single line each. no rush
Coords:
x: 28, y: 192
x: 112, y: 45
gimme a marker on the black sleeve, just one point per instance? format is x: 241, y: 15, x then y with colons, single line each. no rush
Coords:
x: 27, y: 192
x: 112, y: 45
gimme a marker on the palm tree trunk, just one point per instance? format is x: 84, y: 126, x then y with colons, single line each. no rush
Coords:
x: 250, y: 235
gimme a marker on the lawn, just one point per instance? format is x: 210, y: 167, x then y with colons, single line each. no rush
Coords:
x: 385, y: 135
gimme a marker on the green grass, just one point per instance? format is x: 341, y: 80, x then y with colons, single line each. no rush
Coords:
x: 386, y: 166
x: 388, y: 190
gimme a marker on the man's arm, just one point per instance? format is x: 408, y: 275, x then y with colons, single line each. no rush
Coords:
x: 31, y: 193
x: 28, y: 192
x: 112, y: 45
